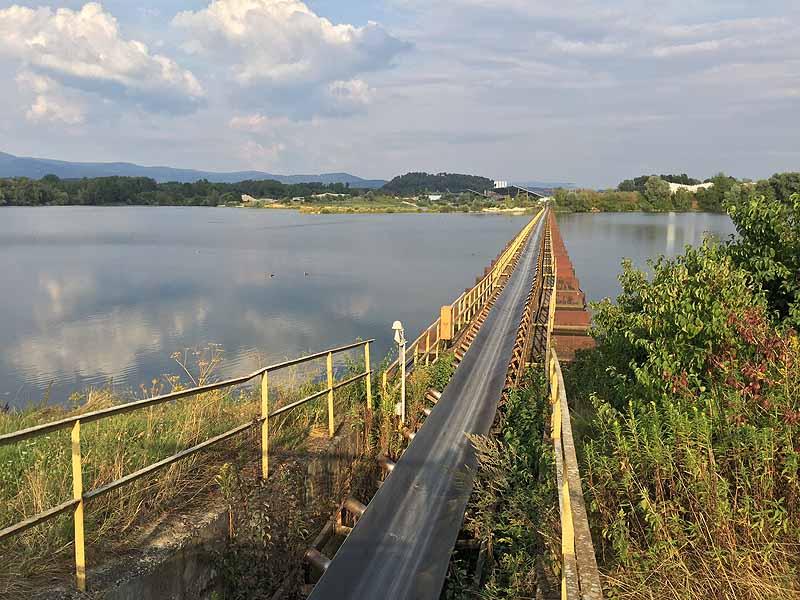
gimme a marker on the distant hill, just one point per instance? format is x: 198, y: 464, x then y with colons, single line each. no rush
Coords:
x: 419, y: 183
x: 36, y: 168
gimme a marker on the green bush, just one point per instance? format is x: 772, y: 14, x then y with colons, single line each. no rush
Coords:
x: 692, y: 459
x: 768, y: 246
x: 514, y: 503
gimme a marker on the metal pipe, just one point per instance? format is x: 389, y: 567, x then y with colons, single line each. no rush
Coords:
x: 317, y: 559
x: 342, y: 530
x: 354, y: 507
x: 386, y: 463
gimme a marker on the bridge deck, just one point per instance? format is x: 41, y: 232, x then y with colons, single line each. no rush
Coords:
x: 401, y: 546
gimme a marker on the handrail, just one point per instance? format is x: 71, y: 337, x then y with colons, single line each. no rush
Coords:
x: 77, y: 503
x: 464, y: 307
x: 120, y: 409
x: 580, y: 577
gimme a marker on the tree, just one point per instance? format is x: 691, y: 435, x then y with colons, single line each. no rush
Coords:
x: 784, y: 185
x: 627, y: 186
x: 419, y: 183
x: 711, y: 199
x: 657, y: 192
x: 769, y: 247
x: 683, y: 199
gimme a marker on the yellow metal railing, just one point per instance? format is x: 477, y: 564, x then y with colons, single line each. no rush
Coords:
x: 80, y: 497
x: 551, y: 314
x: 580, y: 578
x: 456, y: 316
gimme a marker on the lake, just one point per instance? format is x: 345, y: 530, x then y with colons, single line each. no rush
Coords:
x: 597, y: 243
x: 98, y: 295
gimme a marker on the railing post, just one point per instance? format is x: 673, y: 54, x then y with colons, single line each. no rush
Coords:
x: 446, y: 325
x: 368, y: 369
x: 428, y: 347
x: 265, y: 425
x: 77, y: 494
x: 331, y: 422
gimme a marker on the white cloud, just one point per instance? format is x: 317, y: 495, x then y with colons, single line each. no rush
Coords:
x: 46, y: 108
x: 582, y: 48
x: 261, y: 156
x: 85, y: 50
x: 344, y: 97
x: 49, y: 103
x: 279, y: 51
x: 256, y: 122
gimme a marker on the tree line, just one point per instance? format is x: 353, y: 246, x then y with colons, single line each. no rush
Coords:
x: 99, y: 191
x: 691, y: 409
x: 412, y: 184
x: 651, y: 193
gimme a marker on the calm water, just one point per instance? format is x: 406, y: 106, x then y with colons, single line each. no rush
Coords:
x: 92, y: 295
x: 97, y: 294
x: 597, y: 243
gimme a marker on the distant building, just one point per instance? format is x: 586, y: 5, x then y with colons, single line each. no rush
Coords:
x: 513, y: 191
x: 500, y: 184
x: 248, y: 199
x: 434, y: 197
x: 674, y: 187
x: 329, y: 195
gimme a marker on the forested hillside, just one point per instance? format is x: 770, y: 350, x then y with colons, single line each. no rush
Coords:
x: 420, y: 183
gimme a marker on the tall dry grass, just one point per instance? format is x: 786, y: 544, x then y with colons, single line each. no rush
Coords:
x: 35, y: 474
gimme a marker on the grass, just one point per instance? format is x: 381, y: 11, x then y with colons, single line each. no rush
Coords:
x: 392, y: 204
x: 513, y: 510
x: 696, y: 494
x: 36, y: 474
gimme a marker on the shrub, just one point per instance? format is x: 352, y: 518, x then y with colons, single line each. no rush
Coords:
x: 692, y: 462
x: 768, y: 246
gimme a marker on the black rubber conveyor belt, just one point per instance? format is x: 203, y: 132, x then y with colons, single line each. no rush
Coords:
x: 400, y: 548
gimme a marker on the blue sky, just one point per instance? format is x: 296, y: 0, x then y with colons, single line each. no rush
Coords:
x: 586, y: 91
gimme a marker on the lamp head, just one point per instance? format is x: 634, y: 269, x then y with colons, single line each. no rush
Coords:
x: 399, y: 338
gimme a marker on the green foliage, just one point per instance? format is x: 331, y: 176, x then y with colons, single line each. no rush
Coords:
x: 638, y: 184
x: 51, y: 190
x: 784, y: 185
x: 672, y: 324
x: 768, y: 245
x: 691, y: 458
x: 658, y: 194
x: 594, y: 201
x: 419, y: 183
x: 710, y: 199
x: 271, y: 527
x: 514, y: 499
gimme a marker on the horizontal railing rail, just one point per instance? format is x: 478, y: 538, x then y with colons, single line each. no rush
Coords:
x: 80, y: 497
x: 580, y: 577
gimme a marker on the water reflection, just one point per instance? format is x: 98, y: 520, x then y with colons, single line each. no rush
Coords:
x: 92, y: 294
x: 597, y: 243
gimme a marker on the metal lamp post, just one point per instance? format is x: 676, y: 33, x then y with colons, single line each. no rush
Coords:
x: 400, y: 339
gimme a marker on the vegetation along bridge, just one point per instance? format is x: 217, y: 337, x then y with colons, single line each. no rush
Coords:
x: 399, y: 545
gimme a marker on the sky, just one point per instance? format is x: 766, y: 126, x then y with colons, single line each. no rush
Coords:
x: 583, y: 91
